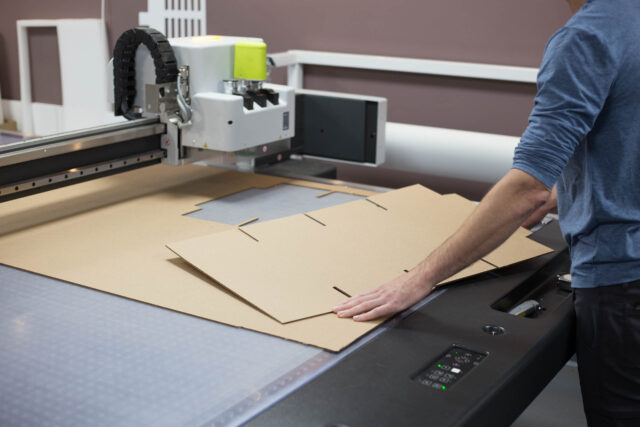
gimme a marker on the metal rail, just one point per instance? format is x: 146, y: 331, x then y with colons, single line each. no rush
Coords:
x: 67, y: 142
x: 294, y: 60
x: 85, y: 172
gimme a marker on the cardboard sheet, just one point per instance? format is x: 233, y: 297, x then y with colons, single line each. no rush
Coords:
x: 110, y: 234
x: 304, y: 264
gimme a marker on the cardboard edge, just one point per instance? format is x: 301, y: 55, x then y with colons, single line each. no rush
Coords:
x: 235, y: 295
x: 280, y: 319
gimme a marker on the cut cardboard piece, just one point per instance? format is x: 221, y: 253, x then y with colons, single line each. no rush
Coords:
x: 297, y: 267
x: 109, y: 234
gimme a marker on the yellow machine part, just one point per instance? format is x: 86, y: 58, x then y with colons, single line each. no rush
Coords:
x: 250, y: 61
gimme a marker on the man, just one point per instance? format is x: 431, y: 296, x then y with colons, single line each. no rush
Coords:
x: 584, y: 138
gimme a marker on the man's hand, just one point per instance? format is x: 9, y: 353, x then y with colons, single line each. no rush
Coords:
x: 392, y: 297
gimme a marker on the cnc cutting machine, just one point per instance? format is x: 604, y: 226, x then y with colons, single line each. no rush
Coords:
x: 211, y: 94
x: 200, y: 98
x: 74, y: 356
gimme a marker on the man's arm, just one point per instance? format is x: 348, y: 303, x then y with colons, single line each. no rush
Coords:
x: 512, y: 200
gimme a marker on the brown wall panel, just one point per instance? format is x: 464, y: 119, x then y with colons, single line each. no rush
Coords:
x: 489, y: 31
x: 45, y: 65
x: 492, y: 31
x: 122, y: 15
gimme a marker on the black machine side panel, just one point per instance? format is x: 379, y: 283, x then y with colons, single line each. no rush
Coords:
x: 337, y: 128
x: 376, y: 385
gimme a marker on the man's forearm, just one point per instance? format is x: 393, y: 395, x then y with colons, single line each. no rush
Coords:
x: 499, y: 214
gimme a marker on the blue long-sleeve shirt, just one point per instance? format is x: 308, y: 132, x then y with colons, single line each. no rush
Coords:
x: 584, y: 136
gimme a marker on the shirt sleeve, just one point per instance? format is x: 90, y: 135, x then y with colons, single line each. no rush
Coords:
x: 574, y: 81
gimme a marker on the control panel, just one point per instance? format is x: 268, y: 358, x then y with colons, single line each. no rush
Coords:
x: 452, y: 365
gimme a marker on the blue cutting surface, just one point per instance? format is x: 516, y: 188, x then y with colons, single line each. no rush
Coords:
x: 283, y: 200
x: 73, y: 356
x: 10, y: 138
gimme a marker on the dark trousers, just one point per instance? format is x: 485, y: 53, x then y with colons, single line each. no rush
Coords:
x: 608, y: 349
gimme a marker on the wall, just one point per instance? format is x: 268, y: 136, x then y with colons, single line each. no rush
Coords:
x: 45, y: 64
x: 43, y: 45
x: 490, y: 31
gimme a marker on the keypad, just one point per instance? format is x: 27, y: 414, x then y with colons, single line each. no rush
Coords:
x: 452, y: 365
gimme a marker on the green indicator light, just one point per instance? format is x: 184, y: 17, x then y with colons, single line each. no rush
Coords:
x: 444, y: 388
x: 439, y: 365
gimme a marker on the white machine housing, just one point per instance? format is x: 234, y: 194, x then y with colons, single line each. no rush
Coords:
x: 220, y: 121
